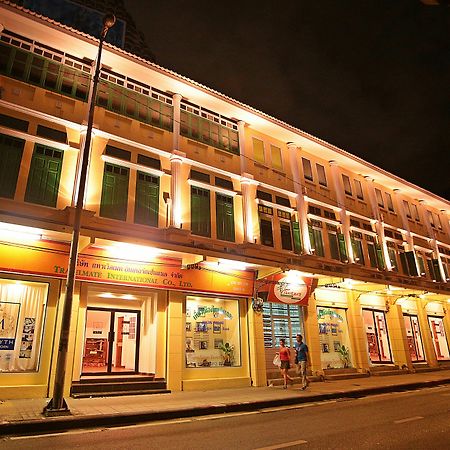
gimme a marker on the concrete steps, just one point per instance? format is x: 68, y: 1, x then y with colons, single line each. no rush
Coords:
x: 118, y: 385
x: 384, y: 371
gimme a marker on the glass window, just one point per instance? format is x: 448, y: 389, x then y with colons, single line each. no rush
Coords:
x: 334, y: 246
x: 22, y: 314
x: 114, y: 200
x: 307, y: 170
x: 421, y: 265
x: 431, y: 219
x: 439, y: 338
x: 266, y: 232
x: 44, y: 175
x: 286, y: 239
x: 11, y: 150
x: 377, y: 336
x: 212, y: 332
x: 379, y: 197
x: 275, y: 152
x: 359, y: 190
x: 393, y: 258
x: 416, y: 212
x: 321, y: 174
x: 258, y: 151
x: 347, y: 185
x: 315, y: 236
x: 407, y: 209
x: 200, y: 212
x: 281, y: 321
x: 358, y: 251
x: 334, y: 338
x: 414, y: 337
x: 390, y: 205
x: 372, y: 251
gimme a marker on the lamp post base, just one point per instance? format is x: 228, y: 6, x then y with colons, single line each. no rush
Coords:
x: 50, y: 411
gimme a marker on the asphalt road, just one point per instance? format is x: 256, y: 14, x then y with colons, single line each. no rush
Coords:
x: 410, y: 420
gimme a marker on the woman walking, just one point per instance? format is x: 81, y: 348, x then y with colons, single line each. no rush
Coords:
x: 285, y: 358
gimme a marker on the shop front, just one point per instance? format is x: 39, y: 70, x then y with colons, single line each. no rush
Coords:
x: 439, y: 335
x: 414, y: 337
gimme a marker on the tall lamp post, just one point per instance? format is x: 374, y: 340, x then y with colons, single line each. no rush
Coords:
x: 58, y: 405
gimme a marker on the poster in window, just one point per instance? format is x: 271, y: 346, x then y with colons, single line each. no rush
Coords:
x: 9, y: 320
x: 217, y: 327
x: 26, y: 346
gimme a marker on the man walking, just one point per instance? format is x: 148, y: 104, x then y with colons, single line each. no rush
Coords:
x: 301, y: 358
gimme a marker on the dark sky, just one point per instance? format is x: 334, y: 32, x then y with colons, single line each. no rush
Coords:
x: 372, y: 77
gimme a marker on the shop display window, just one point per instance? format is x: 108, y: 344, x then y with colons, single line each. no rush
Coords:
x: 334, y: 338
x: 22, y: 313
x: 377, y: 336
x: 212, y: 332
x: 439, y: 339
x: 414, y: 337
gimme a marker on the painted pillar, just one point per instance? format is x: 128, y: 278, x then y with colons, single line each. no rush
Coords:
x: 430, y: 354
x: 248, y: 204
x: 161, y: 333
x: 176, y: 100
x: 243, y: 157
x: 343, y: 216
x: 379, y: 225
x: 358, y: 337
x: 312, y: 337
x: 256, y: 347
x: 302, y: 204
x: 397, y: 336
x: 176, y: 161
x: 175, y: 334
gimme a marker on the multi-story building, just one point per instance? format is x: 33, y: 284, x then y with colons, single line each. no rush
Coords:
x: 197, y: 207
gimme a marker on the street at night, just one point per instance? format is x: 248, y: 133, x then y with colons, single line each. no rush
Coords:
x: 410, y: 420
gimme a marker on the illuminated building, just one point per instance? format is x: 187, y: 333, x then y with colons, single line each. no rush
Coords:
x: 196, y: 206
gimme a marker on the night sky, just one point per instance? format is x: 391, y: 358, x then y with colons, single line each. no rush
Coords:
x: 371, y: 77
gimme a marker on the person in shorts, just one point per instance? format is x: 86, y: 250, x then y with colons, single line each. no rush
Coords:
x: 285, y: 358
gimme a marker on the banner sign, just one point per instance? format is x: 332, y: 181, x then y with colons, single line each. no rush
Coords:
x: 100, y: 268
x: 285, y: 288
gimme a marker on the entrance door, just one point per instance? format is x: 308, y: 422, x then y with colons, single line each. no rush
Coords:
x: 111, y: 343
x: 377, y: 336
x: 414, y: 338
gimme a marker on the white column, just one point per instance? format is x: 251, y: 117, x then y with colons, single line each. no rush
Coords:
x: 302, y: 204
x: 176, y: 121
x: 176, y: 161
x: 242, y: 149
x: 379, y: 225
x: 248, y: 202
x: 343, y: 215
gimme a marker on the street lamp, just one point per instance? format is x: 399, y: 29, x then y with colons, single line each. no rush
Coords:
x: 57, y: 405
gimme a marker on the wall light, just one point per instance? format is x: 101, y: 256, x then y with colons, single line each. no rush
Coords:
x: 133, y: 252
x: 12, y: 232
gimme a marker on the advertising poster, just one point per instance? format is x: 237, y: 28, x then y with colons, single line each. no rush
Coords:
x: 26, y: 346
x: 9, y: 319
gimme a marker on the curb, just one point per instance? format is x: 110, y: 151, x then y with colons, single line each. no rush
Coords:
x: 58, y: 424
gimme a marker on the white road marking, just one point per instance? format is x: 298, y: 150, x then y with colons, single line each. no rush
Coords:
x: 409, y: 419
x: 61, y: 433
x: 284, y: 445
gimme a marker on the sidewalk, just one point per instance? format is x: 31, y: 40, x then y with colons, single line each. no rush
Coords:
x: 25, y: 416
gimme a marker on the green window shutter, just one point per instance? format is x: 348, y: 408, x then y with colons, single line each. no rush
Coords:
x: 11, y: 150
x: 44, y: 176
x: 380, y: 258
x: 266, y: 232
x: 372, y: 255
x: 404, y: 263
x: 147, y: 199
x: 318, y: 243
x: 225, y: 217
x: 286, y: 238
x: 412, y: 267
x: 296, y: 237
x: 431, y: 269
x: 114, y: 199
x: 200, y: 212
x: 342, y: 247
x: 437, y: 272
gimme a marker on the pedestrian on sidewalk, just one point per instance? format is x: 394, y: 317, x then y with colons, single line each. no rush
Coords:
x: 285, y: 358
x: 301, y: 359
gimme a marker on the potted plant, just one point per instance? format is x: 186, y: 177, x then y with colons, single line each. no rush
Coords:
x: 344, y: 354
x: 228, y: 353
